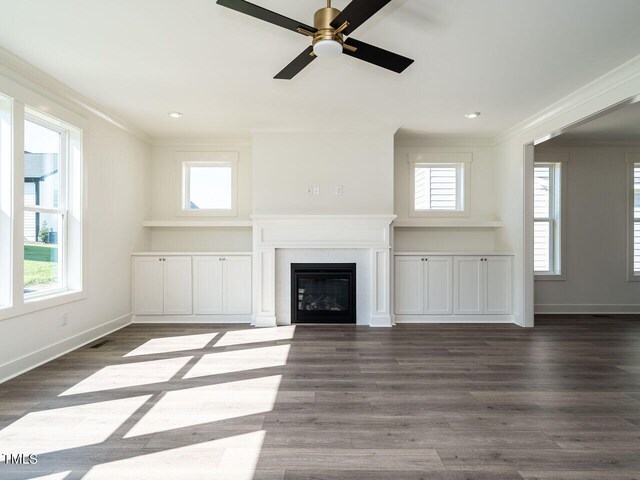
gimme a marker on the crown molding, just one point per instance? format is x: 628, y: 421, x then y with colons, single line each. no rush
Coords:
x: 321, y: 128
x: 417, y: 141
x: 588, y: 144
x: 214, y: 140
x: 614, y: 79
x: 22, y: 72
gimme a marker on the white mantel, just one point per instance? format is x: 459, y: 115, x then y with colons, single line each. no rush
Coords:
x: 370, y: 232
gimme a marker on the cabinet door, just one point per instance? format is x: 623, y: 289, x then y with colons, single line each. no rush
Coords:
x: 207, y: 288
x: 237, y: 285
x: 497, y: 285
x: 147, y: 286
x: 438, y: 286
x: 468, y: 294
x: 177, y: 286
x: 408, y: 285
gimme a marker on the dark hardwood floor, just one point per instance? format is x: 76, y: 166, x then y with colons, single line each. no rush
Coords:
x: 436, y: 402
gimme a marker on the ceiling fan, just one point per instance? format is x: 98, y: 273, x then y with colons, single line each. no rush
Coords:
x: 328, y: 33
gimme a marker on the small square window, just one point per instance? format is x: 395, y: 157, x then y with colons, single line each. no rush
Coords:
x: 438, y: 189
x: 208, y: 187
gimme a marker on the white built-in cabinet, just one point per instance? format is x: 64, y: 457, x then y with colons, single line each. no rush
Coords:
x: 452, y: 286
x: 162, y: 285
x: 222, y: 285
x: 191, y: 284
x: 423, y: 285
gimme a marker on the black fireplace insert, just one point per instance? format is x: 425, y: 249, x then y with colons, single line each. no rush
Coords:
x: 323, y: 293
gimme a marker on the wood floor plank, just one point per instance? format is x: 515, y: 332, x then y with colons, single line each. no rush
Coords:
x: 436, y: 402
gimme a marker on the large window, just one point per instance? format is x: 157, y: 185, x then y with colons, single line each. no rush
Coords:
x: 41, y: 231
x: 635, y: 222
x: 209, y: 183
x: 547, y: 218
x: 45, y: 199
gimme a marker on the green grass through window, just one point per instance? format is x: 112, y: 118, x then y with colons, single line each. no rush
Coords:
x: 40, y: 265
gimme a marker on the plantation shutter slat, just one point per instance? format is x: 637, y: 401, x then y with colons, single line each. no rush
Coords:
x: 436, y: 188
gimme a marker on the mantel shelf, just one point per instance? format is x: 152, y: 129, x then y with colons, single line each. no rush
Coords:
x: 447, y: 223
x: 196, y: 223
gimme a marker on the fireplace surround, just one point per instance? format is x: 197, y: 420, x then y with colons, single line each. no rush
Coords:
x: 370, y: 235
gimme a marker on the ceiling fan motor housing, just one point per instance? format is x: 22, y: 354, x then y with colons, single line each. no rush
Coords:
x: 322, y: 21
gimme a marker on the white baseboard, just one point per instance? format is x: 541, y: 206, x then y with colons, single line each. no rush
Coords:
x: 462, y: 319
x: 378, y: 321
x: 32, y: 360
x: 223, y: 319
x: 588, y: 309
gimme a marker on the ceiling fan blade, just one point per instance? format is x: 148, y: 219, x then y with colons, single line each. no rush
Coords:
x: 358, y: 12
x: 377, y: 56
x: 295, y: 67
x: 264, y: 14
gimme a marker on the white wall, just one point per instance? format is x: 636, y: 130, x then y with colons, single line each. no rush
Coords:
x: 482, y: 204
x: 166, y: 193
x: 286, y: 164
x: 117, y: 170
x: 596, y: 235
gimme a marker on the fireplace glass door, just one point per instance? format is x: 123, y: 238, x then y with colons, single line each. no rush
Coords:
x: 323, y: 293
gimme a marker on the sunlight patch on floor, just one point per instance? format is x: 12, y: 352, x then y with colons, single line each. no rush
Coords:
x: 53, y: 476
x: 210, y: 403
x: 239, y: 361
x: 218, y: 459
x: 256, y: 335
x: 129, y: 375
x: 173, y: 344
x: 68, y: 427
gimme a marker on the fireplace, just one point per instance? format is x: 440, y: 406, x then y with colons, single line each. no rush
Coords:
x: 323, y: 293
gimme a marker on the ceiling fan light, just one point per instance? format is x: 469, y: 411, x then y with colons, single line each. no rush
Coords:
x: 327, y: 49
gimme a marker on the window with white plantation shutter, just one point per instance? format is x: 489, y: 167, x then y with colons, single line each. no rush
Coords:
x: 437, y: 187
x: 636, y: 219
x: 546, y: 213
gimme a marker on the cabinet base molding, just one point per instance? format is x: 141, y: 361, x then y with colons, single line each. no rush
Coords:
x: 192, y: 319
x: 379, y: 321
x: 264, y: 321
x: 455, y: 319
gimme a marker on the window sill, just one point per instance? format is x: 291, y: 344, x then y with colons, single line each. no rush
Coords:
x: 438, y: 213
x: 42, y: 303
x: 550, y: 278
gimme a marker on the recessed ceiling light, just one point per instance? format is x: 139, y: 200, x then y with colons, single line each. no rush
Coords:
x: 473, y: 115
x: 175, y: 114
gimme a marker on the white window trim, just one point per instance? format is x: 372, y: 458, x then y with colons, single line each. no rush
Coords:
x: 185, y: 159
x: 558, y: 223
x: 633, y: 160
x: 445, y: 159
x: 76, y: 226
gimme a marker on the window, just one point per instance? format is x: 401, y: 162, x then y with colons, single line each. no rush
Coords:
x: 6, y: 201
x: 436, y: 187
x: 439, y: 188
x: 41, y: 203
x: 547, y: 221
x: 45, y: 158
x: 635, y: 221
x: 209, y: 186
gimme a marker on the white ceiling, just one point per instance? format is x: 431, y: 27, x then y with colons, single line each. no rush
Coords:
x: 622, y: 125
x: 143, y: 58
